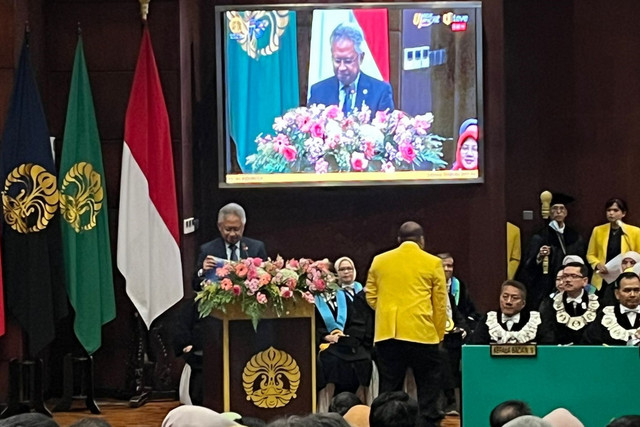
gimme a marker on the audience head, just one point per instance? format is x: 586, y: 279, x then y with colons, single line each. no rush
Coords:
x: 513, y: 297
x: 344, y: 401
x: 447, y: 264
x: 572, y: 259
x: 195, y: 416
x: 507, y: 411
x: 561, y: 417
x: 358, y: 416
x: 411, y: 231
x: 625, y: 421
x: 30, y: 419
x: 231, y: 222
x: 393, y: 409
x: 251, y: 422
x: 528, y: 421
x: 346, y: 269
x: 616, y: 209
x: 312, y: 420
x: 627, y: 289
x: 574, y: 278
x: 629, y: 259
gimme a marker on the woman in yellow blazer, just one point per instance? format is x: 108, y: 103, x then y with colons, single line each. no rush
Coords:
x: 610, y: 240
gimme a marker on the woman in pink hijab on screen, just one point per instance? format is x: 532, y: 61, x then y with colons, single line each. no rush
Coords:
x: 467, y: 148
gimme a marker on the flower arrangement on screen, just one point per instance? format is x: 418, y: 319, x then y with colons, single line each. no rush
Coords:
x: 256, y: 284
x: 322, y: 139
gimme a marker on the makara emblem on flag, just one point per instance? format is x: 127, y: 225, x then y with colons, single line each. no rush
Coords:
x: 250, y: 28
x: 81, y: 196
x: 29, y: 198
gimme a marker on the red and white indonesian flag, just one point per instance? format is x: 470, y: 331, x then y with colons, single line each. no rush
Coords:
x: 148, y: 232
x: 374, y: 24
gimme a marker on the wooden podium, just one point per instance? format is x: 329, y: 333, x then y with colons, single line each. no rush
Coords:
x: 266, y: 373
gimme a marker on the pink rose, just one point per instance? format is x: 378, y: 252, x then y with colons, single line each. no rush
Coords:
x: 261, y: 298
x: 358, y: 162
x: 291, y: 283
x: 381, y: 116
x: 290, y: 153
x: 237, y: 290
x: 257, y: 262
x: 332, y: 111
x: 408, y: 153
x: 285, y: 292
x: 316, y: 130
x: 279, y: 262
x: 320, y: 285
x: 293, y: 263
x: 253, y: 273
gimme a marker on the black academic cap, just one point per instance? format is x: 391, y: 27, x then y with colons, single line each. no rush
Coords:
x: 561, y: 199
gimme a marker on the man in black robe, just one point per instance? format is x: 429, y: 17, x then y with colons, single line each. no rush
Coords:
x: 555, y: 241
x: 569, y: 312
x: 512, y: 324
x: 618, y: 324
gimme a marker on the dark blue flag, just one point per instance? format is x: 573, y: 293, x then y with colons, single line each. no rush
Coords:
x: 31, y: 243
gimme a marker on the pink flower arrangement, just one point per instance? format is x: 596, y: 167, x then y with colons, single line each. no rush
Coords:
x: 321, y: 139
x: 256, y: 284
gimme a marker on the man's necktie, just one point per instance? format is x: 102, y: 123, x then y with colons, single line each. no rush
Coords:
x: 346, y: 106
x: 233, y: 256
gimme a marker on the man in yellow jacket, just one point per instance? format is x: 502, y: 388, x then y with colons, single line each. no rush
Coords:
x: 406, y: 287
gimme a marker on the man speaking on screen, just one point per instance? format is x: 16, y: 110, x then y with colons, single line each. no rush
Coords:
x: 350, y: 88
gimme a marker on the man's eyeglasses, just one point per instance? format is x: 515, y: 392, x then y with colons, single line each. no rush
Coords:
x: 344, y: 61
x: 558, y: 208
x: 346, y: 269
x: 571, y: 276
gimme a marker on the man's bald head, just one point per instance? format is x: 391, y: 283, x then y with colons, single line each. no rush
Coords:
x: 411, y: 231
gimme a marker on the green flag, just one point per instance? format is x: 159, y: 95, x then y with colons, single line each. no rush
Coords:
x: 262, y: 74
x: 83, y: 203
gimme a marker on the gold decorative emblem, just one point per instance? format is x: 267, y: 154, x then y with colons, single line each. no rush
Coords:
x: 248, y: 27
x: 29, y: 198
x: 271, y: 378
x: 81, y: 196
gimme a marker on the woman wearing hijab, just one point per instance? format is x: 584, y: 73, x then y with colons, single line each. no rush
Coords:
x: 608, y: 241
x: 467, y: 147
x: 344, y: 334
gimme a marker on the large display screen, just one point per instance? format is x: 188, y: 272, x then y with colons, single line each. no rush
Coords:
x: 349, y: 94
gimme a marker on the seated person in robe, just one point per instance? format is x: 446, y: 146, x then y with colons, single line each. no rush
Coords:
x: 512, y: 324
x: 344, y: 333
x: 618, y: 324
x: 570, y: 311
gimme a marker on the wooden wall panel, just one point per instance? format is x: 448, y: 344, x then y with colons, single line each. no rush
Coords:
x: 467, y: 220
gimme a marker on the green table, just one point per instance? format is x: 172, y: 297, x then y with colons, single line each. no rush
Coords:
x: 594, y: 383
